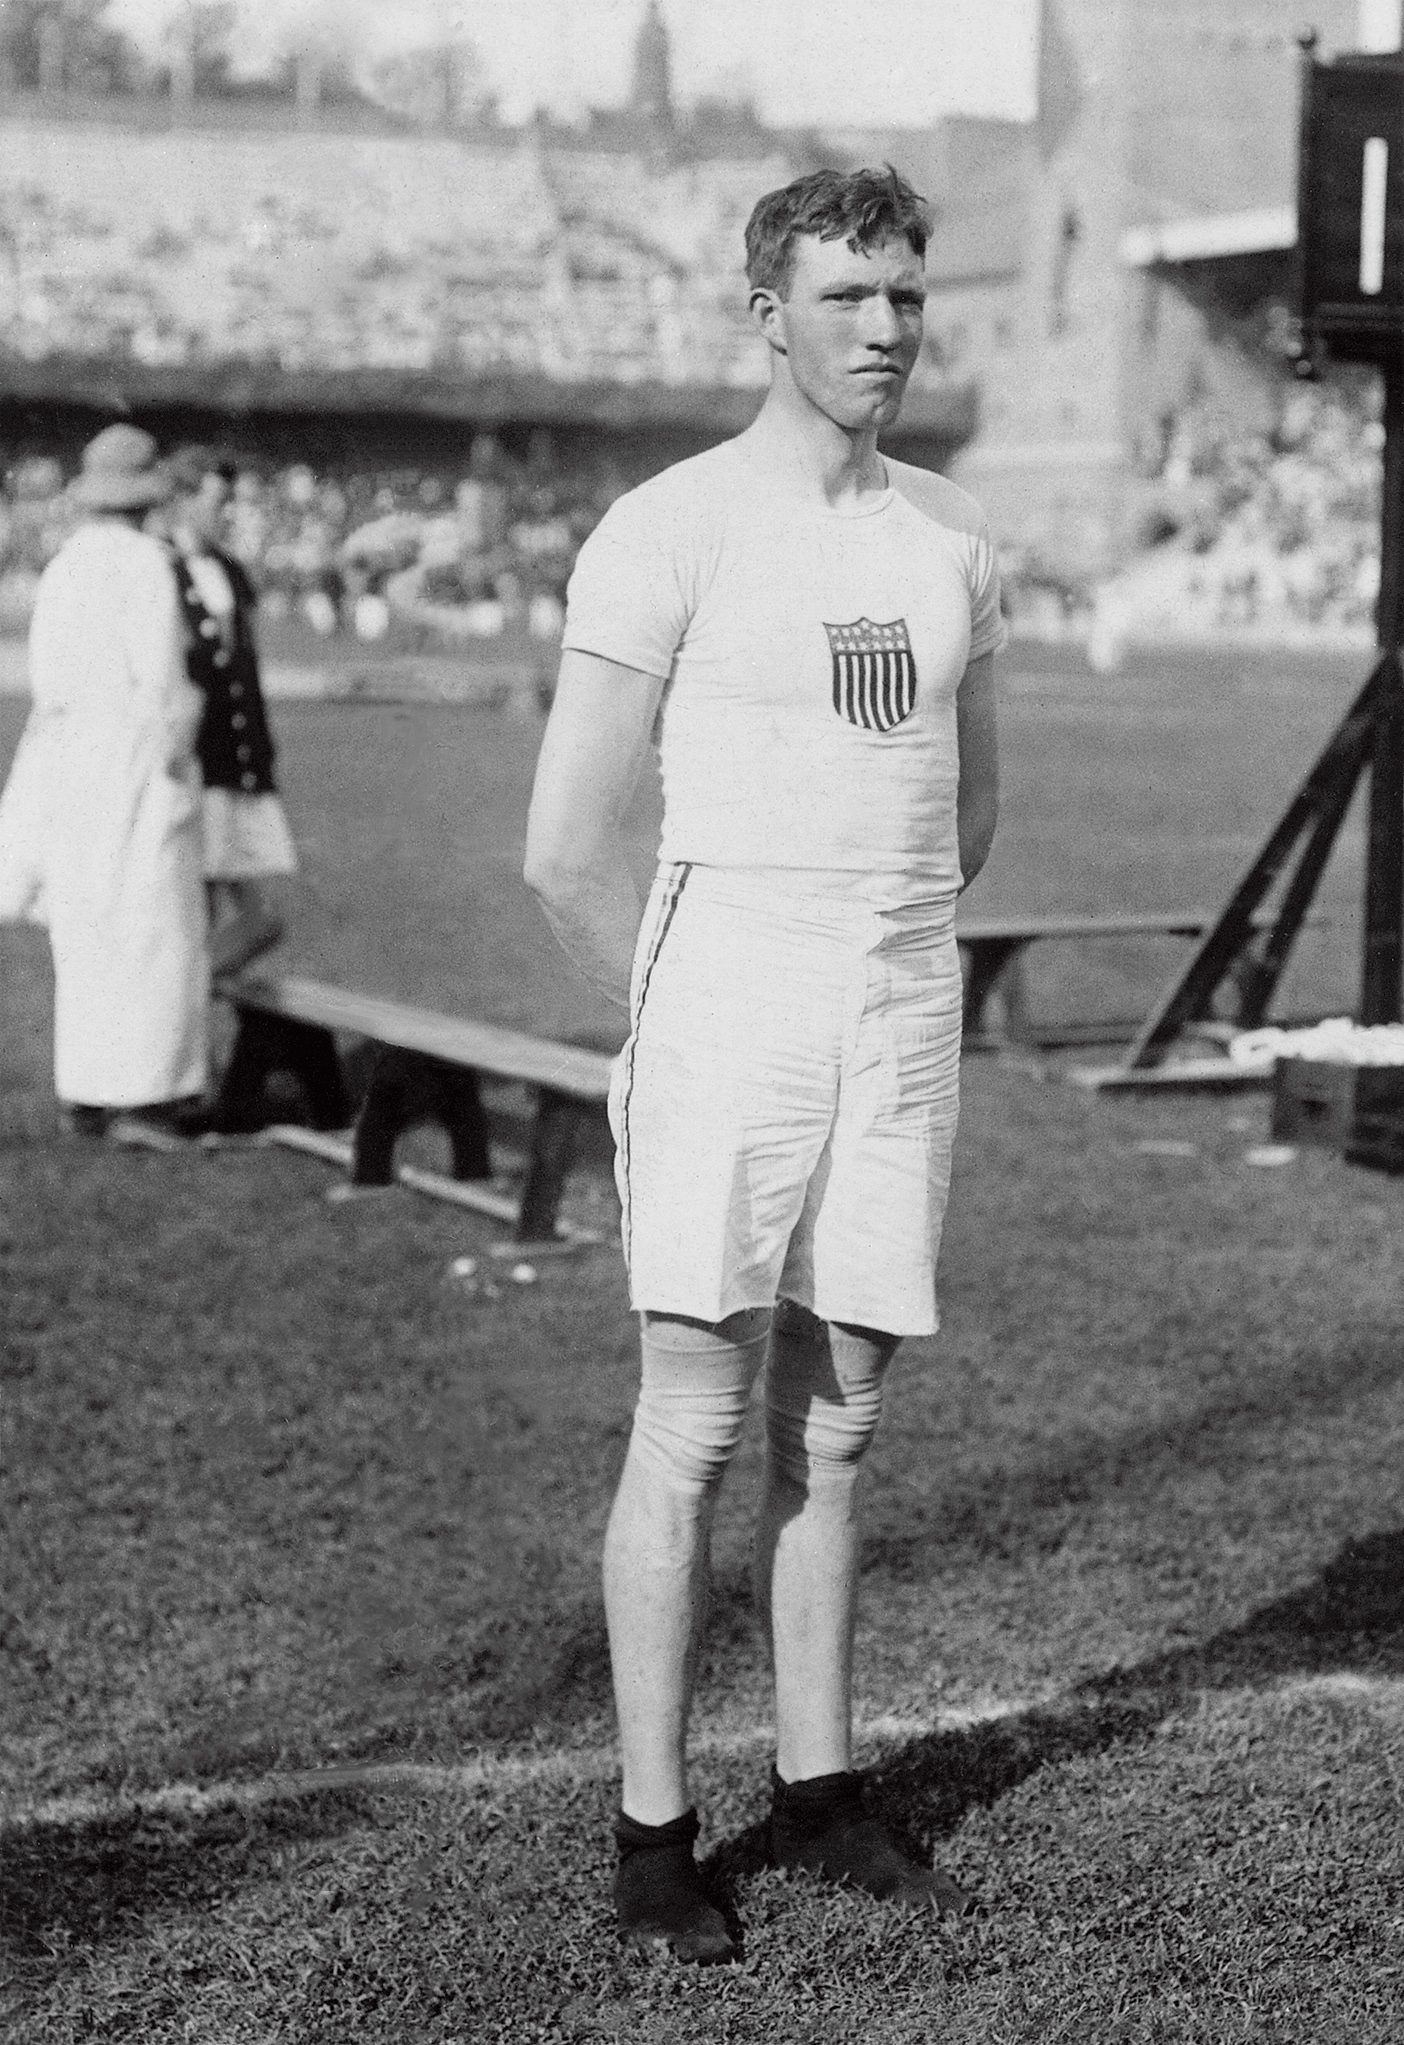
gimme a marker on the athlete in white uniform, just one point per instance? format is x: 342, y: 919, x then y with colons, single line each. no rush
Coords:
x: 809, y: 627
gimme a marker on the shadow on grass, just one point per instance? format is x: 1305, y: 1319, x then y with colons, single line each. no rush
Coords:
x: 69, y: 1884
x: 522, y: 1680
x: 550, y: 1674
x: 1350, y: 1618
x: 1005, y: 1511
x: 1348, y: 1621
x: 410, y: 1696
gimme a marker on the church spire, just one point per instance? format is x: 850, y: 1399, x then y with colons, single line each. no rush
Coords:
x: 651, y: 96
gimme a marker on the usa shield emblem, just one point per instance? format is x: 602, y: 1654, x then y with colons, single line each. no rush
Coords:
x: 875, y: 676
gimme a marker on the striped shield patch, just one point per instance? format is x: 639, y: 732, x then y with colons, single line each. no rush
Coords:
x: 875, y: 676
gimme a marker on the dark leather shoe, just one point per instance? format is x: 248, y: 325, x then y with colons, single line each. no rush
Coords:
x: 837, y: 1839
x: 659, y: 1898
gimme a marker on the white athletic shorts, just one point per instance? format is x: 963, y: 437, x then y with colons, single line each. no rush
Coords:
x: 785, y: 1105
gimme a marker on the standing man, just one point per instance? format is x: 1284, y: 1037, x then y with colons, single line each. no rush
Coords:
x: 810, y: 625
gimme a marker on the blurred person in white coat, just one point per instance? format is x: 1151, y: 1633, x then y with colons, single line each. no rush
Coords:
x: 100, y: 826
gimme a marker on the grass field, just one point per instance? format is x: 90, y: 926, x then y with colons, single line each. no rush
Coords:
x: 306, y: 1715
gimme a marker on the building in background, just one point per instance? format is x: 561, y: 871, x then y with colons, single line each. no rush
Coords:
x: 1125, y: 255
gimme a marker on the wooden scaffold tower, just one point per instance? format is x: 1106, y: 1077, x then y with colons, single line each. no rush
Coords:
x: 1350, y: 240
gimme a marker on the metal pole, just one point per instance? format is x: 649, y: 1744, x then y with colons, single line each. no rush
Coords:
x: 1382, y: 973
x: 1390, y: 614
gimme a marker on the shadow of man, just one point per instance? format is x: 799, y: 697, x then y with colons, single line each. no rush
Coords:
x: 1349, y: 1620
x: 64, y: 1884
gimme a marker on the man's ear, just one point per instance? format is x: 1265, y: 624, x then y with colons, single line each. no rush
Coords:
x: 767, y: 310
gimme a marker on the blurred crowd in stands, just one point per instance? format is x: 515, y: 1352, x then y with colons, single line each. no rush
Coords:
x: 493, y: 261
x: 1284, y: 525
x: 446, y: 555
x: 1273, y: 529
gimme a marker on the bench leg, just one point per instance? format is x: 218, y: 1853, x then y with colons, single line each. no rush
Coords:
x: 553, y: 1141
x: 465, y: 1119
x: 268, y: 1044
x: 407, y: 1087
x: 994, y: 964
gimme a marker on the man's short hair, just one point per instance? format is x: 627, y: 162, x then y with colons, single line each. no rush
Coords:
x: 864, y: 207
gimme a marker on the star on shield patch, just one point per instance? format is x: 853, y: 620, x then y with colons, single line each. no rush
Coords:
x: 875, y: 678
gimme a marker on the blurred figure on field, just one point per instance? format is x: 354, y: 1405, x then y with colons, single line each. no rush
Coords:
x: 100, y: 820
x: 480, y: 501
x: 246, y: 835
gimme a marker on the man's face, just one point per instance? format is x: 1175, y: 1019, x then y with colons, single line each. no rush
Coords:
x: 850, y: 327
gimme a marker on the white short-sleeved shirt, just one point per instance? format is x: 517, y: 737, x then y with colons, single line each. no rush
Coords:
x: 811, y: 658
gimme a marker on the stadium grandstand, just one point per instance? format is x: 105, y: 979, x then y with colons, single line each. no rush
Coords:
x: 348, y: 296
x: 322, y: 254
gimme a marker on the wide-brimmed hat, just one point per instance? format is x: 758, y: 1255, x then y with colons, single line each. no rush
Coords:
x: 120, y: 472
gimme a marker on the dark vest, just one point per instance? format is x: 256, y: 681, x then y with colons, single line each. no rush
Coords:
x: 234, y: 743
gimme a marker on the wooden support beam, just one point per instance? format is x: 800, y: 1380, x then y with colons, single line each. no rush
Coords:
x: 1382, y: 965
x: 1219, y: 1075
x: 1314, y: 813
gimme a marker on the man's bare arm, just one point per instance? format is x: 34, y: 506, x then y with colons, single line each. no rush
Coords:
x: 977, y: 806
x: 594, y: 747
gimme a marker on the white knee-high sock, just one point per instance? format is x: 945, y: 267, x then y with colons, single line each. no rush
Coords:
x: 693, y: 1394
x: 823, y: 1401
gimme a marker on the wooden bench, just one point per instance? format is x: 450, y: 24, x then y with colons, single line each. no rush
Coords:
x: 994, y: 948
x: 426, y: 1068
